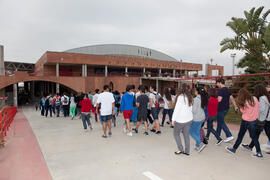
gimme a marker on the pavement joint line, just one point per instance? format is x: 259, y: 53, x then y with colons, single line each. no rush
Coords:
x: 151, y: 175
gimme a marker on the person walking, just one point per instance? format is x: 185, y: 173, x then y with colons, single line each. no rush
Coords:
x: 65, y: 103
x: 95, y: 98
x: 106, y: 101
x: 48, y: 105
x: 169, y: 102
x: 249, y: 106
x: 142, y: 102
x: 182, y: 118
x: 154, y: 98
x: 262, y: 123
x: 149, y: 117
x: 57, y: 103
x: 86, y: 108
x: 42, y: 104
x: 212, y: 115
x: 200, y: 102
x: 224, y: 98
x: 72, y: 107
x: 127, y: 108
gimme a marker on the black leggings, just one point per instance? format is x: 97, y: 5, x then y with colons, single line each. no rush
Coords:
x: 260, y: 125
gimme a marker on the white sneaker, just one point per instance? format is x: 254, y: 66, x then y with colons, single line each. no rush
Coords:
x: 228, y: 139
x: 129, y: 134
x: 125, y: 130
x: 85, y: 130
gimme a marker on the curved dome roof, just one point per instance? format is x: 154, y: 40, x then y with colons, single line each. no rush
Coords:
x: 122, y: 50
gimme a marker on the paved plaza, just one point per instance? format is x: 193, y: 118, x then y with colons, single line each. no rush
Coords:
x: 72, y: 154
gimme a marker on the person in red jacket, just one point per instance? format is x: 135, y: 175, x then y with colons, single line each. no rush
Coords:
x: 86, y: 106
x: 212, y: 115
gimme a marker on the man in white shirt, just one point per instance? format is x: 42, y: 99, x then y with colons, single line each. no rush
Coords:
x: 154, y: 109
x: 65, y: 103
x: 95, y: 98
x: 107, y: 109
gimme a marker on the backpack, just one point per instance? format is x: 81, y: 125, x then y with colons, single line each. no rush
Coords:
x: 159, y: 101
x: 47, y: 103
x: 171, y: 105
x: 65, y: 100
x: 57, y: 101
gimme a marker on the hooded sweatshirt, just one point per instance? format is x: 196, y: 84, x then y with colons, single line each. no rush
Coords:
x: 197, y: 110
x: 264, y: 108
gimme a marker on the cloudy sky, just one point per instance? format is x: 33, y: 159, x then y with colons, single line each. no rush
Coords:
x: 190, y: 30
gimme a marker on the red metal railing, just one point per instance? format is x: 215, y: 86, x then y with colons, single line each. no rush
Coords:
x: 6, y: 117
x: 236, y: 82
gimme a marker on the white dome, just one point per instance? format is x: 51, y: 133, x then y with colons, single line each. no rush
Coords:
x: 122, y: 50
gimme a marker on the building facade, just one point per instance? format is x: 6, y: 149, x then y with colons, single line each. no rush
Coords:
x: 88, y: 68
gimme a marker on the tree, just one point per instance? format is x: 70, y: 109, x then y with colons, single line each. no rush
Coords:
x: 252, y: 35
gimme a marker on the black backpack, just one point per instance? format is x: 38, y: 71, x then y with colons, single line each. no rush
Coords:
x: 47, y: 102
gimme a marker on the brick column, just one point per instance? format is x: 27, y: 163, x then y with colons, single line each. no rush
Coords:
x: 57, y: 75
x: 85, y: 70
x: 159, y: 72
x: 2, y: 73
x: 157, y: 84
x: 126, y: 71
x: 174, y: 73
x: 143, y: 72
x: 106, y: 71
x: 15, y: 95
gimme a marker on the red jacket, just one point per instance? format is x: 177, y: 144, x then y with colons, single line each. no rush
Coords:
x: 86, y: 105
x: 212, y: 106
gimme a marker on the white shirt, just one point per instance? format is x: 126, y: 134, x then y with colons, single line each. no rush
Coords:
x: 105, y: 99
x: 95, y: 98
x: 137, y: 94
x: 182, y: 112
x: 62, y: 100
x: 153, y: 96
x: 72, y: 102
x: 166, y: 102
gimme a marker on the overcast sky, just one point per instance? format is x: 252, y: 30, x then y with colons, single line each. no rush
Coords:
x: 190, y: 30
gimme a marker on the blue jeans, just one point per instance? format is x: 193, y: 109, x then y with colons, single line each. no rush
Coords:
x: 210, y: 128
x: 221, y: 125
x: 66, y: 110
x: 48, y: 108
x: 105, y: 119
x: 86, y: 119
x: 250, y: 126
x: 57, y: 110
x: 195, y: 131
x: 165, y: 112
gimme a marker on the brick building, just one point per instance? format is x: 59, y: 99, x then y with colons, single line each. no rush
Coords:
x: 87, y: 68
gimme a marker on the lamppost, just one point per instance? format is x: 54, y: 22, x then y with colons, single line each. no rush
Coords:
x: 233, y: 57
x: 211, y: 60
x: 181, y: 70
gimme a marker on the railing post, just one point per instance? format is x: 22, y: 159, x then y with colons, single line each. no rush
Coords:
x: 2, y: 130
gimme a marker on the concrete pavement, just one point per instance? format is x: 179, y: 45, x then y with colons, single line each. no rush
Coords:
x: 72, y: 154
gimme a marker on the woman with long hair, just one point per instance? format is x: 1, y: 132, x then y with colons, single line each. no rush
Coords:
x: 249, y: 106
x: 169, y: 101
x: 262, y: 124
x: 200, y: 102
x: 182, y: 118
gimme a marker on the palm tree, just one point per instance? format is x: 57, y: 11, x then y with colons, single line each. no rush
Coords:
x: 250, y: 37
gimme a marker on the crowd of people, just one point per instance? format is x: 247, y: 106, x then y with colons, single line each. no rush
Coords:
x: 187, y: 114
